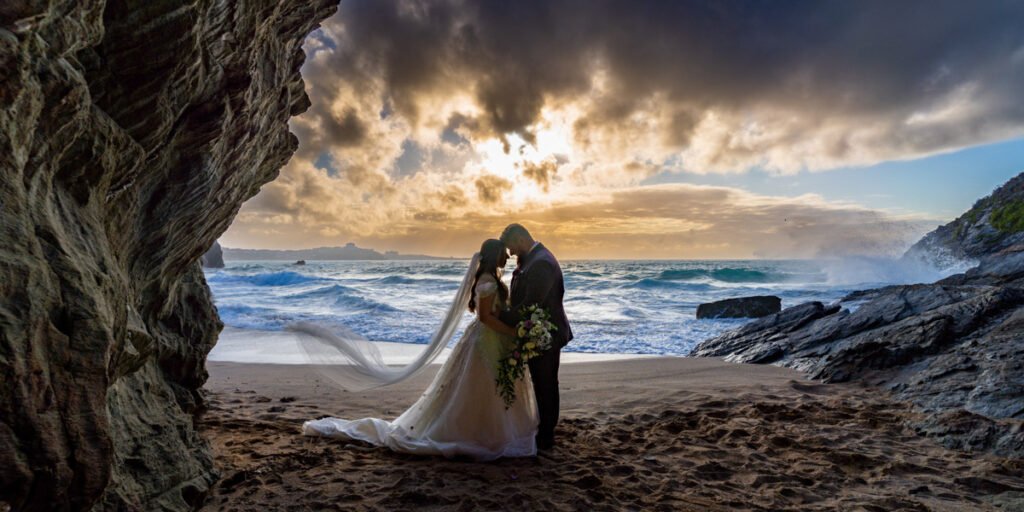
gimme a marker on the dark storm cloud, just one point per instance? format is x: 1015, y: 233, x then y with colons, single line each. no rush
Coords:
x: 864, y: 66
x: 344, y: 130
x: 324, y: 129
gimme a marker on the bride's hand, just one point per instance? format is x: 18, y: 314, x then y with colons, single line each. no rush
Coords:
x: 487, y: 318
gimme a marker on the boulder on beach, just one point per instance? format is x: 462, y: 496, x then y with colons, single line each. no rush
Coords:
x: 741, y: 307
x: 214, y: 257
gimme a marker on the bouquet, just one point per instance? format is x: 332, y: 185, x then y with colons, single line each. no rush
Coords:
x: 533, y: 336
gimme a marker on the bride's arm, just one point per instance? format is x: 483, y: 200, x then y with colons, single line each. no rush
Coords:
x: 487, y: 318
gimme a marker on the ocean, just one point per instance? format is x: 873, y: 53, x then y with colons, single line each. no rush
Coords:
x: 615, y: 307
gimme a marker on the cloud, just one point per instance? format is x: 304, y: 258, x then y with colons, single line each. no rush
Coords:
x: 431, y: 120
x: 663, y: 221
x: 728, y: 86
x: 686, y: 221
x: 490, y: 188
x: 347, y: 130
x: 541, y: 172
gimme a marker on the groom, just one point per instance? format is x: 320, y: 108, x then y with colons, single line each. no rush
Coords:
x: 538, y: 280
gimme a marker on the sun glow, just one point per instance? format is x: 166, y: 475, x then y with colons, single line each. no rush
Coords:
x: 534, y: 169
x: 494, y: 160
x: 554, y: 133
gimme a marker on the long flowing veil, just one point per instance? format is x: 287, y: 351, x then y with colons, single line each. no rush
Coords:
x: 355, y: 363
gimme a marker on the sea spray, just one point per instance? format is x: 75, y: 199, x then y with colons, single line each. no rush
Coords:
x: 864, y: 270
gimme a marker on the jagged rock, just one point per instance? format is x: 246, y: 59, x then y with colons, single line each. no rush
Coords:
x: 943, y: 347
x: 1006, y: 266
x: 741, y: 307
x: 755, y: 341
x: 954, y: 348
x: 130, y: 135
x: 213, y: 258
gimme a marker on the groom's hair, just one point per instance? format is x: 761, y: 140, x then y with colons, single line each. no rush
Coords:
x: 514, y: 230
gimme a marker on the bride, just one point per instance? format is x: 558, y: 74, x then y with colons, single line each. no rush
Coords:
x: 461, y: 412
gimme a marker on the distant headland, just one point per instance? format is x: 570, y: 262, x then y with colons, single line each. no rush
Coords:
x: 349, y: 252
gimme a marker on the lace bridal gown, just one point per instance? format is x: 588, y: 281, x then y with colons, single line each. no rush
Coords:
x: 461, y: 413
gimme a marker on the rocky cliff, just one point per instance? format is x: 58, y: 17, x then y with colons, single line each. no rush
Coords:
x: 213, y: 258
x: 994, y: 223
x: 954, y: 348
x: 130, y: 134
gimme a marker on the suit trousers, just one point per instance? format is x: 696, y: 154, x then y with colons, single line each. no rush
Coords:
x: 544, y: 373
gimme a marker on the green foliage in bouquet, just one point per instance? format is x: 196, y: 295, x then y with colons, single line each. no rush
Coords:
x: 533, y: 336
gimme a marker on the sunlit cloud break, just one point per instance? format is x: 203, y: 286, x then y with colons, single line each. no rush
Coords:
x: 428, y: 114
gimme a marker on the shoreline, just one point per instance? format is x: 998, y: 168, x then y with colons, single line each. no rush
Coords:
x: 251, y: 346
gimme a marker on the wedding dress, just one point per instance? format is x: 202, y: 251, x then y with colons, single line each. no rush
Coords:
x: 461, y: 412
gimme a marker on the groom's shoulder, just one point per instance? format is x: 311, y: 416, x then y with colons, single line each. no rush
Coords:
x: 546, y: 259
x: 549, y: 256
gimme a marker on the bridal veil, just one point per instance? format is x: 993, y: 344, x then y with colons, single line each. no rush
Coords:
x: 354, y: 362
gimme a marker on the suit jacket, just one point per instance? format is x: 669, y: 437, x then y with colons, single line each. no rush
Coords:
x: 538, y: 280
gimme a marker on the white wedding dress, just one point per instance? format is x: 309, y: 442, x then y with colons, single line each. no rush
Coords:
x: 461, y: 412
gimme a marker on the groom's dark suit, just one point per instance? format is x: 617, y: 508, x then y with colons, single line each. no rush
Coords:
x: 538, y: 280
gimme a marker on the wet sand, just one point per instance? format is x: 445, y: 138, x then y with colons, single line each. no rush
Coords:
x: 643, y: 434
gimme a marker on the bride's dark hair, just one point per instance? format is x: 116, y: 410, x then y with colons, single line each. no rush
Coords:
x: 490, y: 254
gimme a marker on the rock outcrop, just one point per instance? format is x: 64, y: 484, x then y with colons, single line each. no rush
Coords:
x: 213, y: 258
x: 954, y: 348
x: 741, y: 307
x: 130, y: 135
x: 993, y: 224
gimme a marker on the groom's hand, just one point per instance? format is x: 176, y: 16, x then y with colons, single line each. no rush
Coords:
x: 509, y: 317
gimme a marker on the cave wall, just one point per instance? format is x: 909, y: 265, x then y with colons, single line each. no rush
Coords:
x: 130, y: 134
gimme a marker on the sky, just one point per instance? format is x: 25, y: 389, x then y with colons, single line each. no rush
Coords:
x: 630, y: 129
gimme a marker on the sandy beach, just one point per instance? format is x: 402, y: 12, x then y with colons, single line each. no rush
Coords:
x: 637, y: 434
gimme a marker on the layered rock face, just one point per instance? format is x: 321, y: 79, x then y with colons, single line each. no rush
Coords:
x: 955, y: 348
x: 130, y: 134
